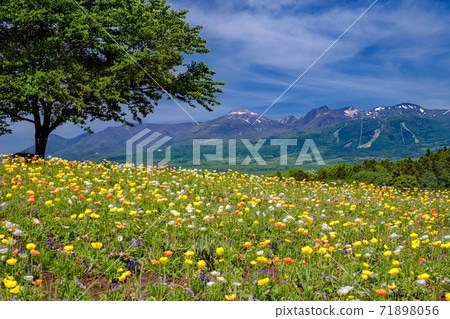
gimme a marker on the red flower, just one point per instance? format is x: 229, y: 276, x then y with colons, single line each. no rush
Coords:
x: 381, y: 292
x: 288, y: 260
x: 168, y: 253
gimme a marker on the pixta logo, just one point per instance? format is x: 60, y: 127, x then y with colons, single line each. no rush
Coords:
x: 141, y: 148
x: 307, y: 152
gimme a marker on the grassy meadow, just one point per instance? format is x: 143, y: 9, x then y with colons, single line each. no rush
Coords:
x: 86, y: 231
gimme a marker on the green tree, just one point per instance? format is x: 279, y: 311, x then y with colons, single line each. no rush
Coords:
x: 405, y: 181
x: 297, y: 173
x: 78, y: 61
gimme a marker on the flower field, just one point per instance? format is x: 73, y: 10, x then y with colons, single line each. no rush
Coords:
x: 85, y: 231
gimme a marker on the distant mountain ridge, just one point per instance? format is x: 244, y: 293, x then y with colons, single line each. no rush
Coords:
x: 344, y: 133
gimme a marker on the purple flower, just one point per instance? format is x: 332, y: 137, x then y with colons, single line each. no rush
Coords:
x: 132, y: 263
x: 86, y: 266
x: 115, y: 287
x: 189, y: 290
x: 136, y: 243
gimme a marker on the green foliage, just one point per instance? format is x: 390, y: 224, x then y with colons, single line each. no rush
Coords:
x: 298, y: 174
x: 431, y: 171
x: 405, y: 181
x: 77, y: 61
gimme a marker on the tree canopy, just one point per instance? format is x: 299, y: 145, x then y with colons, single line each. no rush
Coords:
x: 78, y: 61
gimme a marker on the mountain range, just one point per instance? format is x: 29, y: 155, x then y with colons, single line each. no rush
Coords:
x: 347, y: 134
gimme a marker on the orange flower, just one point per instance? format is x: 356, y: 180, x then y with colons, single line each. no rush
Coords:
x: 247, y: 244
x: 288, y: 260
x: 422, y: 260
x: 37, y: 282
x: 155, y: 262
x: 35, y: 252
x: 275, y: 259
x: 381, y: 292
x: 230, y: 297
x: 168, y: 253
x: 280, y: 225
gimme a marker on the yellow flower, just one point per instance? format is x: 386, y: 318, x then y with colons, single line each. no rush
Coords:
x: 263, y: 282
x: 394, y: 271
x: 220, y: 251
x: 307, y: 250
x: 189, y: 253
x: 357, y: 244
x: 95, y: 216
x: 30, y: 246
x: 189, y: 261
x: 125, y: 275
x: 230, y: 297
x: 447, y: 296
x: 424, y: 276
x: 392, y: 286
x: 68, y: 248
x: 11, y: 261
x: 163, y: 260
x: 395, y: 263
x: 96, y: 245
x: 119, y: 270
x: 253, y: 263
x: 201, y: 263
x: 262, y: 259
x: 49, y: 203
x: 387, y: 253
x: 413, y: 235
x: 374, y: 241
x: 366, y: 265
x: 9, y: 282
x: 15, y: 290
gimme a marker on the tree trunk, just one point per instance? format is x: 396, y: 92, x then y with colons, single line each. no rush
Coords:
x: 41, y: 139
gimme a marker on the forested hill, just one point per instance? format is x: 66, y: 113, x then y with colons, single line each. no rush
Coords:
x: 431, y: 171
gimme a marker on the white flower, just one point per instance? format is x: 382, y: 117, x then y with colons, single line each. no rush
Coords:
x: 9, y: 225
x: 215, y: 273
x: 344, y: 290
x: 209, y: 284
x: 221, y: 279
x: 175, y: 213
x: 260, y: 252
x: 28, y: 278
x: 421, y: 282
x: 394, y: 236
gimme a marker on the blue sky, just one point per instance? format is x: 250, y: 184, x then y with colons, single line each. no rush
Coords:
x: 398, y: 52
